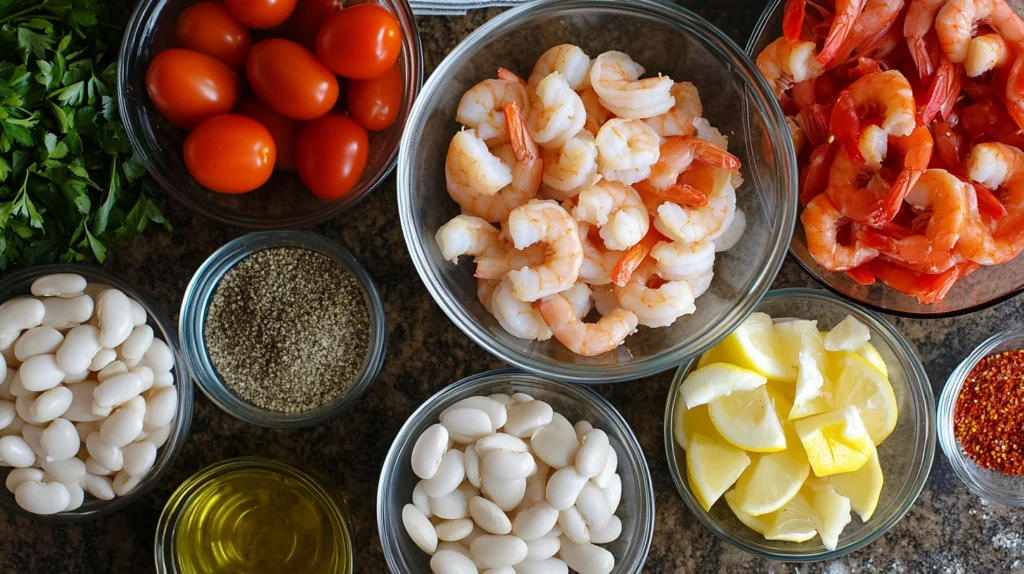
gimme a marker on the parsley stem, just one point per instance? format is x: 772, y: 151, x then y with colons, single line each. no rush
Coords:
x: 23, y: 12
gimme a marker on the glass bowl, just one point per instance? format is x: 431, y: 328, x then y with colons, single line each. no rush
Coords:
x: 905, y: 456
x: 163, y: 328
x: 985, y: 287
x: 282, y: 202
x: 574, y: 402
x: 990, y: 484
x: 192, y: 322
x: 665, y: 39
x: 165, y: 550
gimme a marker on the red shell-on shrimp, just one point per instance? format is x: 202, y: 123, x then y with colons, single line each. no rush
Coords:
x: 917, y: 153
x: 816, y: 175
x: 847, y: 12
x: 956, y: 22
x: 855, y: 200
x: 884, y: 94
x: 1001, y: 167
x: 872, y: 24
x: 942, y: 92
x: 1014, y: 93
x: 785, y: 62
x: 927, y: 288
x: 919, y: 21
x: 793, y: 19
x: 822, y: 222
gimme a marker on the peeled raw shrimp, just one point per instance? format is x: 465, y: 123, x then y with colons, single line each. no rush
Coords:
x: 467, y: 235
x: 571, y: 168
x: 996, y: 166
x: 556, y: 112
x: 566, y: 59
x: 617, y: 210
x: 548, y: 223
x: 587, y: 339
x: 957, y: 19
x: 655, y: 306
x: 483, y: 108
x: 786, y: 62
x: 678, y: 260
x: 821, y: 222
x: 679, y: 120
x: 471, y: 170
x: 732, y: 234
x: 626, y: 150
x: 522, y: 320
x: 676, y: 156
x: 615, y: 78
x: 709, y: 221
x: 598, y: 261
x: 919, y: 21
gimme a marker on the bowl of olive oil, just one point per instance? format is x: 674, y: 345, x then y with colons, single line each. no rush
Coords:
x: 253, y: 515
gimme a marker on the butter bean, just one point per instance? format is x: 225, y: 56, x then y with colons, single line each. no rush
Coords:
x: 541, y: 549
x: 472, y: 460
x: 613, y: 492
x: 491, y: 551
x: 451, y: 562
x: 500, y: 441
x: 495, y: 410
x: 93, y: 467
x: 524, y: 418
x: 116, y: 318
x: 23, y: 406
x: 118, y: 390
x: 548, y: 565
x: 60, y: 440
x: 124, y: 424
x: 421, y: 500
x: 14, y: 451
x: 454, y: 505
x: 573, y: 526
x: 70, y: 470
x: 138, y: 313
x: 79, y: 348
x: 450, y: 473
x: 67, y: 313
x: 139, y: 457
x: 80, y: 409
x: 7, y: 413
x: 72, y: 378
x: 159, y: 436
x: 593, y: 505
x: 42, y: 498
x: 610, y: 465
x: 76, y: 494
x: 51, y: 404
x: 33, y: 435
x: 419, y: 529
x: 554, y: 446
x: 161, y: 407
x: 453, y: 530
x: 488, y: 516
x: 37, y: 341
x: 472, y: 423
x: 508, y: 465
x: 113, y: 369
x: 5, y: 386
x: 159, y: 357
x: 593, y: 453
x: 20, y: 475
x: 507, y: 494
x: 137, y: 343
x: 103, y: 358
x: 19, y: 314
x: 40, y: 373
x: 587, y: 558
x: 610, y: 532
x: 59, y: 285
x: 99, y: 486
x: 563, y: 487
x: 535, y: 521
x: 428, y: 450
x: 124, y: 483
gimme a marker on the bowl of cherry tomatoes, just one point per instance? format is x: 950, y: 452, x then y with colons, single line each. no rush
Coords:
x: 268, y: 113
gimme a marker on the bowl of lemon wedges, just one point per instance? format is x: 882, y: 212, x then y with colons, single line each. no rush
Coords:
x: 806, y: 433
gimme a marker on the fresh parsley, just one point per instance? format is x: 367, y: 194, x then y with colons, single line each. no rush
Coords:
x: 69, y: 183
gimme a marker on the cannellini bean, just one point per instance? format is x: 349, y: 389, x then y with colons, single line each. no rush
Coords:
x: 116, y: 317
x: 99, y: 486
x: 452, y: 530
x: 554, y: 446
x: 610, y: 465
x: 163, y: 379
x: 473, y: 423
x: 419, y: 528
x: 113, y: 369
x: 542, y: 467
x: 573, y: 526
x: 542, y: 548
x: 472, y: 461
x: 159, y: 436
x: 613, y: 493
x: 124, y: 424
x: 451, y: 562
x: 66, y: 313
x: 37, y: 341
x: 60, y: 440
x: 93, y: 467
x: 501, y: 398
x: 40, y: 373
x: 33, y: 435
x: 524, y: 418
x: 101, y: 411
x: 5, y: 386
x: 103, y: 358
x: 508, y: 465
x: 59, y: 285
x: 139, y: 457
x: 7, y: 356
x: 450, y: 473
x: 500, y: 441
x: 548, y: 565
x: 491, y: 551
x: 609, y: 533
x: 118, y: 390
x: 535, y: 521
x: 519, y: 398
x: 593, y: 453
x: 51, y: 404
x: 16, y: 388
x: 495, y: 410
x: 535, y: 487
x: 124, y: 483
x: 563, y: 487
x: 488, y: 516
x: 81, y: 403
x: 428, y: 450
x: 23, y: 406
x: 138, y: 313
x: 14, y: 451
x: 160, y: 408
x: 455, y: 504
x: 459, y: 547
x: 70, y: 470
x: 7, y: 413
x: 77, y: 496
x: 159, y: 357
x: 14, y: 428
x: 582, y: 428
x: 72, y: 378
x: 587, y: 558
x: 20, y: 475
x: 505, y: 570
x: 138, y: 342
x: 16, y: 315
x: 79, y: 348
x: 561, y: 423
x: 144, y: 373
x: 507, y: 494
x: 421, y: 500
x: 42, y: 498
x: 593, y: 505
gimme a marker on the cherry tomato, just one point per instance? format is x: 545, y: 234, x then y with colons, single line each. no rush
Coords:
x: 260, y: 14
x: 188, y: 87
x: 284, y: 130
x: 307, y: 18
x: 375, y: 103
x: 331, y: 155
x: 230, y: 154
x: 290, y: 80
x: 207, y: 28
x: 360, y: 42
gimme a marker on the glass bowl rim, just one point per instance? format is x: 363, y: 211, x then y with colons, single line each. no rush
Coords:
x: 918, y: 386
x: 712, y: 39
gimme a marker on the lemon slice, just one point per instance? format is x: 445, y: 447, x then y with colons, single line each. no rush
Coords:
x: 747, y: 419
x: 796, y: 521
x: 869, y: 352
x: 802, y: 345
x: 833, y: 512
x: 862, y: 486
x: 849, y: 335
x: 752, y: 346
x: 759, y: 524
x: 690, y: 421
x: 712, y: 466
x: 863, y: 386
x: 772, y: 480
x: 795, y: 336
x: 835, y: 442
x: 717, y: 380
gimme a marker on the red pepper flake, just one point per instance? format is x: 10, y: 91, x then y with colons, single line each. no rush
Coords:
x: 989, y: 417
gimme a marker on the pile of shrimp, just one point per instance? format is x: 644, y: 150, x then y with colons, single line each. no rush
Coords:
x: 593, y: 199
x: 906, y: 118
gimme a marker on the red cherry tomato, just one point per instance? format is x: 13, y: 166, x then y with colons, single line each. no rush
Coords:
x: 260, y: 14
x: 207, y: 28
x: 331, y: 155
x: 284, y: 130
x: 290, y: 80
x: 307, y: 18
x: 375, y: 103
x: 360, y: 42
x: 188, y: 87
x: 230, y: 154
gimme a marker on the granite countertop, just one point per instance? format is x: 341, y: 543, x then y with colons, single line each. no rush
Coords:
x: 948, y: 529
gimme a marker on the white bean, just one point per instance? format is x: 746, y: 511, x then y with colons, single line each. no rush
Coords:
x: 7, y: 354
x: 14, y: 451
x: 473, y: 423
x: 160, y: 408
x: 421, y: 500
x: 501, y: 398
x: 587, y: 558
x: 159, y: 357
x: 451, y: 562
x: 450, y: 473
x: 488, y: 516
x: 59, y: 285
x: 66, y: 313
x: 124, y: 483
x: 137, y: 343
x: 507, y: 494
x: 113, y: 369
x: 103, y: 358
x: 100, y: 411
x: 454, y: 505
x: 573, y: 526
x: 524, y: 418
x: 453, y: 530
x: 593, y: 453
x: 16, y: 388
x: 138, y: 313
x: 60, y: 440
x: 33, y: 435
x: 610, y: 465
x: 542, y: 548
x: 554, y: 446
x: 15, y: 427
x: 7, y: 413
x: 495, y: 410
x: 459, y: 547
x: 609, y: 533
x: 118, y: 390
x: 70, y: 470
x: 563, y: 487
x: 613, y: 492
x: 17, y: 315
x: 93, y: 467
x: 593, y: 505
x: 508, y: 465
x: 124, y: 424
x: 77, y: 496
x: 548, y: 565
x: 23, y: 406
x: 535, y: 487
x: 40, y: 498
x: 139, y: 457
x: 472, y: 460
x: 72, y: 378
x: 428, y: 450
x: 5, y: 386
x: 51, y: 404
x: 20, y: 475
x: 582, y: 428
x: 81, y: 403
x: 163, y: 379
x: 37, y: 341
x: 79, y: 348
x: 490, y: 551
x: 535, y: 521
x: 504, y: 570
x: 519, y: 398
x: 500, y: 441
x: 144, y: 373
x: 116, y: 318
x: 159, y: 436
x: 40, y: 373
x: 99, y: 486
x: 419, y: 528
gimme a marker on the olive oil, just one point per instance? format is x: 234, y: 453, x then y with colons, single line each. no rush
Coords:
x: 260, y: 518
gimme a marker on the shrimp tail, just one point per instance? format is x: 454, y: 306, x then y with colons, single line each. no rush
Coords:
x: 864, y: 67
x: 816, y: 178
x: 510, y: 76
x: 890, y: 205
x: 894, y: 230
x: 988, y: 203
x: 862, y: 275
x: 681, y: 193
x: 634, y: 256
x: 842, y: 24
x: 793, y: 19
x: 875, y: 240
x: 814, y: 121
x: 845, y: 126
x: 942, y: 92
x: 522, y: 144
x: 1014, y: 94
x: 711, y: 154
x: 922, y: 57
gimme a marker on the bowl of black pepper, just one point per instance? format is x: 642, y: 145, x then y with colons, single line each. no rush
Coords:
x: 282, y: 329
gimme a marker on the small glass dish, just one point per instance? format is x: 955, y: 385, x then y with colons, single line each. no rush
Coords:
x: 282, y: 202
x: 905, y: 456
x: 574, y: 402
x: 192, y: 324
x: 165, y: 547
x: 665, y: 39
x: 163, y: 328
x: 989, y: 484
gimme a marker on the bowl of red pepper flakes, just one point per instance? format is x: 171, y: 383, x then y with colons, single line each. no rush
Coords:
x: 981, y: 419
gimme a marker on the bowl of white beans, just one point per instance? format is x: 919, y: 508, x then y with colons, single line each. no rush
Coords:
x: 94, y: 404
x: 508, y: 470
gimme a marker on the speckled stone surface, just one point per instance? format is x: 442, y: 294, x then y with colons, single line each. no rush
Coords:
x: 948, y: 530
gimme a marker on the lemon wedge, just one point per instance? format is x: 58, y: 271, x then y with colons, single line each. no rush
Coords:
x: 690, y: 421
x: 759, y: 524
x: 832, y: 510
x: 747, y: 419
x: 869, y: 352
x: 771, y: 480
x: 863, y: 386
x: 835, y: 442
x: 793, y: 337
x: 849, y: 335
x: 717, y: 380
x: 862, y: 486
x: 796, y: 521
x: 752, y: 346
x: 712, y: 466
